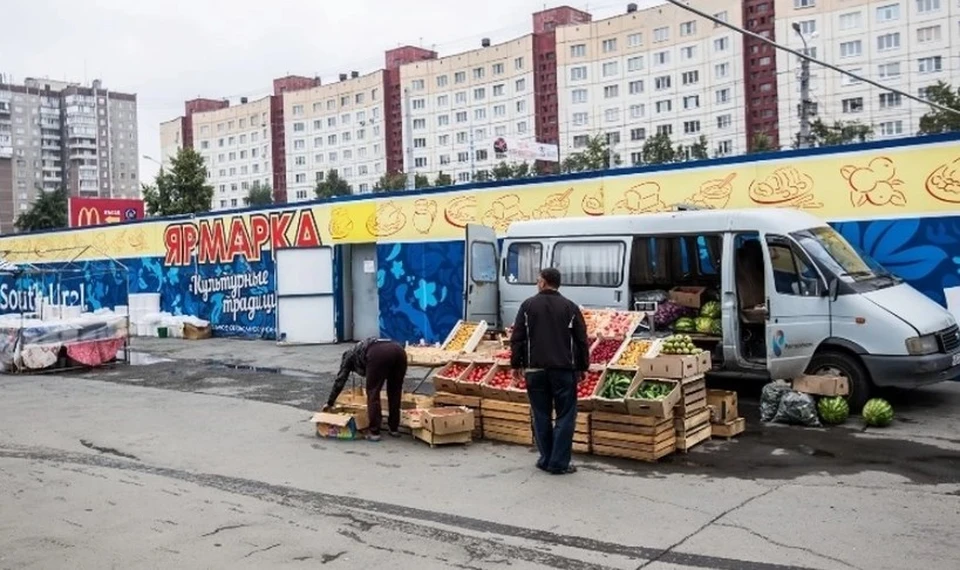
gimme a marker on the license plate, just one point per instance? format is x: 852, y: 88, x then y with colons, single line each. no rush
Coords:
x: 956, y: 359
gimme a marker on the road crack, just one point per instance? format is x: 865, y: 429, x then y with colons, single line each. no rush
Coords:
x: 108, y: 450
x: 223, y: 528
x: 789, y: 546
x: 259, y: 550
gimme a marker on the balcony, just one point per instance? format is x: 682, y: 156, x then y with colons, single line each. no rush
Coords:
x: 75, y: 144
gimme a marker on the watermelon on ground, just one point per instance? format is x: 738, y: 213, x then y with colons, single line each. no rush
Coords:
x: 877, y: 413
x: 833, y: 410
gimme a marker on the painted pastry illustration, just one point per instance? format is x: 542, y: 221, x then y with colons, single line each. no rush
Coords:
x: 555, y: 206
x: 875, y: 184
x: 592, y: 203
x: 786, y: 187
x: 641, y: 199
x: 424, y: 212
x: 461, y: 211
x: 340, y: 224
x: 944, y: 182
x: 387, y: 220
x: 135, y: 238
x: 714, y: 193
x: 502, y: 212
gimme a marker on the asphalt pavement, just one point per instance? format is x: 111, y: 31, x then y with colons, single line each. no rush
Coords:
x: 200, y: 455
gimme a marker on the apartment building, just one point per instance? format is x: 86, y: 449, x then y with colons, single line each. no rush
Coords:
x: 905, y: 44
x: 339, y: 126
x: 657, y: 70
x: 458, y: 105
x: 56, y: 134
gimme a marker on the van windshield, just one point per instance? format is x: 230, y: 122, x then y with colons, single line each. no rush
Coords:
x: 835, y: 253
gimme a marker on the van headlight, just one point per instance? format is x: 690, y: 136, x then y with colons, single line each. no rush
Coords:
x: 921, y: 345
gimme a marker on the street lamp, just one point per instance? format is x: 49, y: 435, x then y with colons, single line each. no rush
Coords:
x: 804, y: 90
x: 153, y: 160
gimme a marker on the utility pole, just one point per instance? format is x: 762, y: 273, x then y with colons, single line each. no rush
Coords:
x: 473, y: 172
x: 408, y: 142
x: 805, y: 106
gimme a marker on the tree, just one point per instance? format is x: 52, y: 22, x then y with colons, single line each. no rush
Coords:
x: 443, y: 179
x: 840, y: 132
x: 760, y: 142
x: 47, y: 212
x: 698, y: 150
x: 398, y: 181
x: 332, y: 185
x: 481, y: 176
x: 658, y: 149
x: 511, y: 171
x: 935, y: 120
x: 595, y: 156
x: 259, y: 195
x: 182, y: 190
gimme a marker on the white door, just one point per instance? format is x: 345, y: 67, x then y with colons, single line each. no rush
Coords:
x: 366, y: 299
x: 481, y: 273
x: 798, y: 307
x: 305, y: 296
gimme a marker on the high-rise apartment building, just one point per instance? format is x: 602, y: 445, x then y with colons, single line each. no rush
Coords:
x: 658, y: 70
x: 64, y: 135
x: 339, y: 127
x: 905, y: 44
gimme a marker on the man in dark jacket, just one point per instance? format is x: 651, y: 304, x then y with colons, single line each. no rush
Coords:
x: 549, y: 345
x: 382, y: 362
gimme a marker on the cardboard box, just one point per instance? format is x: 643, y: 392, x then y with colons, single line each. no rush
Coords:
x: 822, y: 385
x: 688, y: 296
x: 676, y: 366
x: 493, y: 392
x: 729, y: 429
x: 444, y: 421
x: 444, y: 381
x: 614, y: 406
x: 473, y: 388
x: 633, y: 363
x: 412, y: 419
x: 435, y: 439
x: 656, y: 408
x: 343, y: 422
x: 723, y: 406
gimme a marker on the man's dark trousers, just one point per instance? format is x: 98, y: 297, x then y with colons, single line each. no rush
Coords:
x: 549, y: 391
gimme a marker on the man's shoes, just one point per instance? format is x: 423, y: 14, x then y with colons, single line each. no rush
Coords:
x: 569, y: 470
x: 373, y: 437
x: 542, y: 467
x: 395, y: 434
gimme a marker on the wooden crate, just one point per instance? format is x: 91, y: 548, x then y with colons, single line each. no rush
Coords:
x: 694, y: 438
x: 643, y: 438
x: 729, y: 429
x: 441, y: 399
x: 723, y: 406
x: 691, y: 422
x: 445, y: 439
x: 693, y: 396
x: 507, y: 421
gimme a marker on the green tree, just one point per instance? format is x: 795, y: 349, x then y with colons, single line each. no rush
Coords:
x: 595, y: 156
x: 481, y: 176
x: 47, y: 212
x: 443, y: 179
x: 332, y: 185
x: 699, y: 150
x: 935, y: 120
x: 761, y: 142
x: 658, y: 149
x: 511, y: 171
x: 398, y: 181
x: 839, y: 133
x: 259, y: 195
x: 182, y: 190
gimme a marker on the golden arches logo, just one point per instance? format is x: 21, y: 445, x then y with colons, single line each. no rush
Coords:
x: 88, y: 217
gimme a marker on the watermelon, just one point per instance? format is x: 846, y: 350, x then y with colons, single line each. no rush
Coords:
x: 710, y: 309
x: 833, y: 410
x: 685, y: 324
x: 716, y: 329
x: 704, y: 325
x: 877, y: 413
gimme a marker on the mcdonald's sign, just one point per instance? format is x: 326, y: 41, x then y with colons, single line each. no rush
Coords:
x: 97, y: 211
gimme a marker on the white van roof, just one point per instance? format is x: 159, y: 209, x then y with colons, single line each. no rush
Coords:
x: 773, y: 220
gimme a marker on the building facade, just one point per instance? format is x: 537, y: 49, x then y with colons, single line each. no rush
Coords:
x: 906, y: 44
x: 65, y: 135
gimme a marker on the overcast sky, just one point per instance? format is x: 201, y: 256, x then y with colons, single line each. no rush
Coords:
x: 168, y: 51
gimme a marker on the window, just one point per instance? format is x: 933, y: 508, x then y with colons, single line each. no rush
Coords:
x: 589, y: 264
x: 610, y: 69
x: 479, y: 94
x: 420, y: 162
x: 721, y: 70
x: 478, y: 72
x: 463, y: 177
x: 691, y: 127
x: 930, y: 64
x: 888, y: 13
x: 888, y: 42
x: 688, y: 28
x: 420, y: 143
x: 723, y: 95
x: 581, y: 119
x: 664, y: 106
x: 518, y: 63
x: 636, y: 87
x: 661, y: 34
x: 804, y: 3
x: 419, y: 104
x: 609, y: 45
x: 578, y: 96
x: 849, y: 79
x: 928, y: 34
x: 444, y: 159
x: 850, y: 20
x: 500, y: 111
x: 479, y: 114
x: 460, y: 77
x: 579, y: 50
x: 851, y: 49
x: 520, y: 85
x: 721, y: 44
x: 300, y: 178
x: 442, y: 120
x: 665, y: 129
x: 888, y: 70
x: 611, y: 115
x: 442, y: 81
x: 443, y: 140
x: 524, y: 262
x: 635, y: 40
x: 498, y: 69
x: 808, y: 27
x: 461, y: 137
x: 853, y: 105
x: 890, y: 100
x: 661, y: 58
x: 443, y: 101
x: 461, y: 116
x: 927, y: 6
x: 724, y: 121
x: 498, y: 90
x: 580, y: 141
x: 521, y: 106
x: 691, y: 77
x: 725, y: 147
x: 578, y: 73
x: 722, y: 16
x: 691, y: 102
x: 638, y: 134
x: 637, y: 110
x: 611, y: 91
x: 635, y: 64
x: 688, y: 52
x: 661, y: 83
x: 792, y: 273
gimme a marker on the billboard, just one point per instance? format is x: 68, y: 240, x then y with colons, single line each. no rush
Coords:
x: 98, y: 211
x: 526, y: 150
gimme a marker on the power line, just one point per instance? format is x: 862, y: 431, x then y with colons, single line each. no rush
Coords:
x: 800, y: 54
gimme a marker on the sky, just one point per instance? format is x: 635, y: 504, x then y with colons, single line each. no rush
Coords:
x: 168, y: 51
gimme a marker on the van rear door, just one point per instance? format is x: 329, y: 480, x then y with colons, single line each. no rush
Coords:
x: 481, y: 275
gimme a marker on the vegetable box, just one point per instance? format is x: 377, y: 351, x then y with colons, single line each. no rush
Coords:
x: 445, y: 379
x: 653, y: 397
x: 676, y: 366
x: 465, y: 336
x: 613, y: 387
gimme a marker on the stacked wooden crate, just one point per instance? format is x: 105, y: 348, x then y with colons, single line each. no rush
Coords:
x: 581, y: 433
x: 644, y: 438
x: 509, y: 422
x: 724, y: 415
x: 691, y: 415
x: 443, y: 399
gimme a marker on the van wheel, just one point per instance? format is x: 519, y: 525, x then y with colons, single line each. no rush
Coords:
x: 831, y: 363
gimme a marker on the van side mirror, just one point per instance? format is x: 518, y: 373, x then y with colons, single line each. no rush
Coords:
x: 833, y: 289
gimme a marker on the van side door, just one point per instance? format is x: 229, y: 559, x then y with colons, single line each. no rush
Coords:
x: 798, y: 307
x: 592, y: 270
x: 522, y: 261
